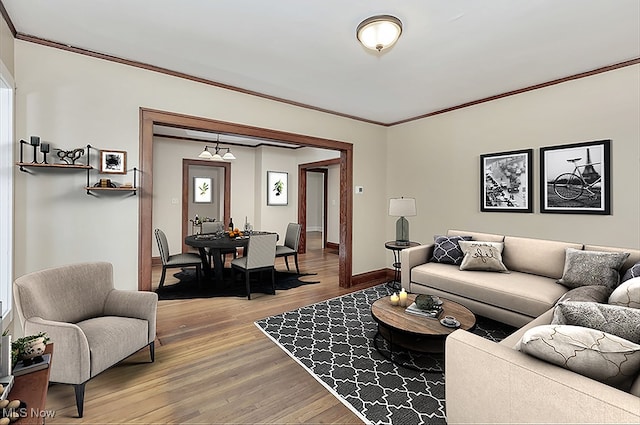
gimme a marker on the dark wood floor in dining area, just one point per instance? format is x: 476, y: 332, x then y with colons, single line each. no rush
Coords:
x: 213, y: 365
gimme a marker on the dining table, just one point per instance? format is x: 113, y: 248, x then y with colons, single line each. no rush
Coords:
x: 216, y: 243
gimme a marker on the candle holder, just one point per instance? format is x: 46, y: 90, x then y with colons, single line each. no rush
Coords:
x: 35, y: 142
x: 44, y: 148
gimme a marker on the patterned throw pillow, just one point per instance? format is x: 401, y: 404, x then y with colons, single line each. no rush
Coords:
x: 627, y: 294
x: 592, y: 293
x: 484, y: 256
x: 589, y: 352
x: 447, y: 250
x: 632, y: 272
x: 621, y: 321
x: 583, y: 268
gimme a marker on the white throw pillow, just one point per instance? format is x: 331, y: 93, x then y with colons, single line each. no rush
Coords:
x: 484, y: 256
x: 589, y: 352
x: 627, y: 294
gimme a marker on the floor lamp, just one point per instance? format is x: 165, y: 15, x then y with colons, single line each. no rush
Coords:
x: 402, y: 207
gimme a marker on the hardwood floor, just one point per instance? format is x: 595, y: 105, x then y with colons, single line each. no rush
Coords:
x: 213, y: 365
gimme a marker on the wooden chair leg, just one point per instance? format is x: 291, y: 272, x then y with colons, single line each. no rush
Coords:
x: 246, y: 273
x: 164, y: 274
x: 273, y: 280
x: 79, y: 389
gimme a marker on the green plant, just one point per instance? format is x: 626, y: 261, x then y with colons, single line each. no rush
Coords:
x: 278, y: 187
x: 19, y: 345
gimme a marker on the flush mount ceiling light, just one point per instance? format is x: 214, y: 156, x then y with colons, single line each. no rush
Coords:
x: 379, y: 32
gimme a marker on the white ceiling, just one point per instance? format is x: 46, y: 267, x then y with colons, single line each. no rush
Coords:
x: 451, y: 51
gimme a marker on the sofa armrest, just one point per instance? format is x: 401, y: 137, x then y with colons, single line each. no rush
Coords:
x: 513, y: 387
x: 411, y: 257
x: 136, y: 304
x: 72, y: 362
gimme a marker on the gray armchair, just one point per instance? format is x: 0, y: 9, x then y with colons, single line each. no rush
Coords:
x: 92, y: 325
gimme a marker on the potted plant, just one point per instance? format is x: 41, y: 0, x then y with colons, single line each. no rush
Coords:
x: 28, y: 347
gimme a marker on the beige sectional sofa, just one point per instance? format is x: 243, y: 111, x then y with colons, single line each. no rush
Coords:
x: 488, y: 382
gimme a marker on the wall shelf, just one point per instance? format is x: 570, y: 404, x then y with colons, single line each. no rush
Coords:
x: 57, y: 166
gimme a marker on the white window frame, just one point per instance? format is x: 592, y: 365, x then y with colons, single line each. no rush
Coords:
x: 7, y: 110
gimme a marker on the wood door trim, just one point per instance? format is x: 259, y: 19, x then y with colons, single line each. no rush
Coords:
x: 149, y: 117
x: 185, y: 193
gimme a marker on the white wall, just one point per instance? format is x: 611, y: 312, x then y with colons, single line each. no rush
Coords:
x: 437, y: 160
x: 70, y: 100
x: 315, y: 196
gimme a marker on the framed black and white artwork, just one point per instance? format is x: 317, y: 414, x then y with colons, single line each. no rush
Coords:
x: 506, y: 181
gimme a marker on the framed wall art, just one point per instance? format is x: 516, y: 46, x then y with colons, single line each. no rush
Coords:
x: 202, y: 190
x: 576, y: 178
x: 506, y: 180
x: 277, y: 188
x: 113, y: 162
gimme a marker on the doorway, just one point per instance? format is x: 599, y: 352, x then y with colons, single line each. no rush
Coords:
x: 316, y: 238
x: 149, y: 118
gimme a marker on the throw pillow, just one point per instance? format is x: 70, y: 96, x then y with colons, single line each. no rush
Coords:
x: 485, y: 256
x: 446, y: 249
x: 592, y: 293
x: 582, y: 268
x: 633, y: 271
x: 627, y: 294
x: 621, y: 321
x: 589, y: 352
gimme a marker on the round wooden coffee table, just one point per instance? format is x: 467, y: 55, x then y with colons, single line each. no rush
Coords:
x: 413, y: 332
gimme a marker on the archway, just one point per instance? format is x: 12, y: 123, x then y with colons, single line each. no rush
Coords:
x: 149, y: 118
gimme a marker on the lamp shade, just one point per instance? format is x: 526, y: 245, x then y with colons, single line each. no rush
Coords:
x: 402, y: 207
x: 379, y: 32
x: 205, y: 154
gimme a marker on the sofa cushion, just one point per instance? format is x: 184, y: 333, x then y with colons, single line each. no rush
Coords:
x: 621, y: 321
x: 446, y: 249
x: 477, y: 236
x: 590, y: 352
x: 113, y: 338
x: 523, y: 293
x: 633, y: 271
x: 485, y: 256
x: 536, y: 256
x: 627, y: 294
x: 634, y: 255
x: 591, y: 293
x: 583, y: 268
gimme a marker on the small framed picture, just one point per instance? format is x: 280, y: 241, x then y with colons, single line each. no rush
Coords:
x: 576, y: 178
x: 113, y: 162
x: 277, y: 188
x: 506, y: 180
x: 202, y: 190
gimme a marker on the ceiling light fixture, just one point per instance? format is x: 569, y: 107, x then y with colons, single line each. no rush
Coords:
x: 205, y: 154
x: 379, y: 32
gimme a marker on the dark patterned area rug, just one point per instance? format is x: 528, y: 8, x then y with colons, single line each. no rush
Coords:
x: 188, y: 286
x: 333, y: 341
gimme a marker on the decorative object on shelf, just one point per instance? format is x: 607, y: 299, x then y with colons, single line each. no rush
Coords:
x: 379, y: 32
x: 113, y: 162
x: 202, y: 190
x: 576, y: 178
x: 506, y: 181
x: 70, y: 156
x: 105, y: 183
x: 29, y: 346
x: 277, y: 188
x: 402, y: 207
x: 227, y: 156
x: 35, y: 141
x: 44, y: 148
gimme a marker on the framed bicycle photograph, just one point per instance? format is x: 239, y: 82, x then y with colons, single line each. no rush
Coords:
x: 576, y: 178
x: 506, y: 180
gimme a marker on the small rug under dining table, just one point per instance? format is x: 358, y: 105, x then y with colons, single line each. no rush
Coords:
x: 333, y: 339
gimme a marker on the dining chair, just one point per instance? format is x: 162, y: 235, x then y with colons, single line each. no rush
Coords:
x: 260, y: 256
x: 290, y: 247
x: 177, y: 260
x: 215, y: 227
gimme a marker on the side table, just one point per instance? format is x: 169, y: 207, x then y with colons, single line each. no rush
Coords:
x: 32, y: 389
x: 395, y: 248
